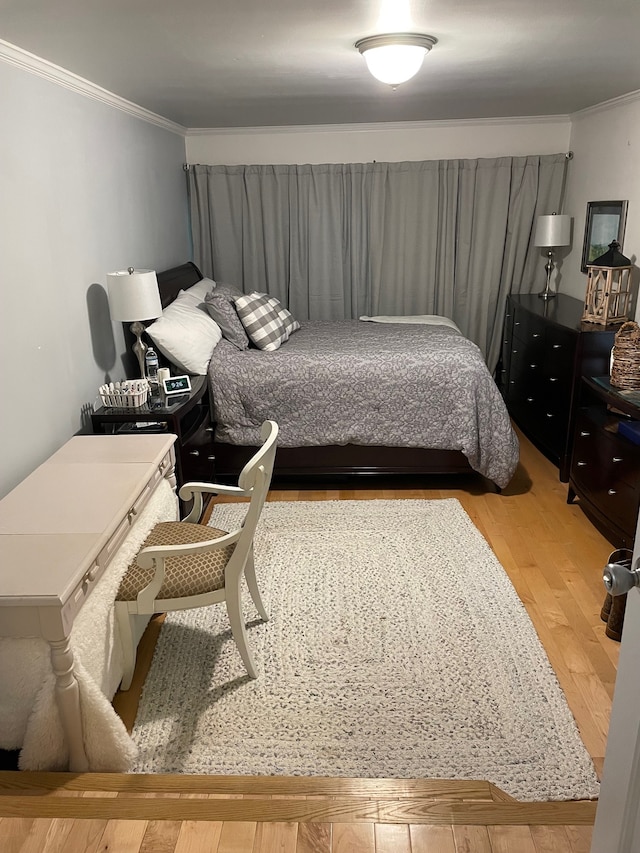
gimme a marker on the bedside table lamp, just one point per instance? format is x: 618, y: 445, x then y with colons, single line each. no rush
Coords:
x: 134, y: 296
x: 551, y: 232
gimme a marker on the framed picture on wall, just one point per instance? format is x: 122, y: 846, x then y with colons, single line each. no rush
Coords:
x: 605, y: 222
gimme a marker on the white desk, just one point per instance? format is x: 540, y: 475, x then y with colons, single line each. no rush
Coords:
x: 59, y: 529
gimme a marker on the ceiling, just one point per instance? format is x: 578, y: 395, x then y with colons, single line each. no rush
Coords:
x: 243, y: 63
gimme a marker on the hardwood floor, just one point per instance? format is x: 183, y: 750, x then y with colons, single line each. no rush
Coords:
x: 554, y: 558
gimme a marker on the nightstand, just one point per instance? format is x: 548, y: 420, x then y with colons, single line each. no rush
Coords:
x: 187, y: 416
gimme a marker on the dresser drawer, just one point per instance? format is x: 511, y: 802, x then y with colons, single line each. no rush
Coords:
x: 606, y: 468
x: 528, y: 326
x: 559, y: 354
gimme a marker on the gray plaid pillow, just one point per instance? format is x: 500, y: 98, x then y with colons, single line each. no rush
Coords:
x: 262, y: 321
x: 290, y: 323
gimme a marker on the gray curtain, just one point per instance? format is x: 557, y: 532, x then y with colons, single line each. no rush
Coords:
x: 449, y: 237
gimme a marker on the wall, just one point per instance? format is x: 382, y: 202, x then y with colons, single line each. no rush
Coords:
x: 385, y: 143
x: 86, y: 189
x: 605, y: 141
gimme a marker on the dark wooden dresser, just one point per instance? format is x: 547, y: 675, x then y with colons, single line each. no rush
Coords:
x: 546, y: 350
x: 605, y: 465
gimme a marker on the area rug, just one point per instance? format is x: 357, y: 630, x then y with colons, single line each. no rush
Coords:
x: 397, y: 648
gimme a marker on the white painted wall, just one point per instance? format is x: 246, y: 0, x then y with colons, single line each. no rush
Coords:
x: 385, y: 143
x: 84, y: 189
x: 605, y: 141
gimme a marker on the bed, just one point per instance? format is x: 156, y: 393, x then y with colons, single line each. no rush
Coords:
x: 358, y: 398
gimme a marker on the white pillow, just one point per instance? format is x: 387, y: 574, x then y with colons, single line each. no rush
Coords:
x: 186, y: 334
x: 199, y: 290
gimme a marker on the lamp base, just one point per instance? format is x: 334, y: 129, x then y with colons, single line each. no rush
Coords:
x: 547, y: 293
x: 139, y: 347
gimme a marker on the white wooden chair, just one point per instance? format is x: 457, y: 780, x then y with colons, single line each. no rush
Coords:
x: 183, y: 564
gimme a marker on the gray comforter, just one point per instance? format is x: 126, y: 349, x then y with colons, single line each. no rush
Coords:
x: 351, y: 382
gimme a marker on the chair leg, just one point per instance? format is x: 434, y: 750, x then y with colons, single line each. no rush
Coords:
x: 127, y: 641
x: 233, y: 601
x: 252, y: 583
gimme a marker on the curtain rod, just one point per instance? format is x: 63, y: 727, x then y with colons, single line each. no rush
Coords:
x: 568, y: 156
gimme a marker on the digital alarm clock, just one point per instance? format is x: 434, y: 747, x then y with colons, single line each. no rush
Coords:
x: 176, y: 385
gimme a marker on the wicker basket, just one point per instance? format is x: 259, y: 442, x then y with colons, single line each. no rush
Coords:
x: 125, y: 395
x: 625, y: 370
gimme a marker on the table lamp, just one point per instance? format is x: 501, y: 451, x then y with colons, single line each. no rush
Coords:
x: 551, y: 231
x: 134, y: 296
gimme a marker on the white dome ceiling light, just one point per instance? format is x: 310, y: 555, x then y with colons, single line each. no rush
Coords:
x: 394, y: 58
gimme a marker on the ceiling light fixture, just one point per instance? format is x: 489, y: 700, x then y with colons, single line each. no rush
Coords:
x: 394, y: 58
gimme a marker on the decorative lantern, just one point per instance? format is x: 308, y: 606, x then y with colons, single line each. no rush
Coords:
x: 608, y: 287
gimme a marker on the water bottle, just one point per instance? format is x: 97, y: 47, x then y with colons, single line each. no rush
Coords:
x: 151, y: 361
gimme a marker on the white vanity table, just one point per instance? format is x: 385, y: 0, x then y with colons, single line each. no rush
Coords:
x: 59, y: 531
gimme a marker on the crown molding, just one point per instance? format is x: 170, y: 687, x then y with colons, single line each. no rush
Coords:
x: 376, y: 127
x: 20, y: 58
x: 620, y: 101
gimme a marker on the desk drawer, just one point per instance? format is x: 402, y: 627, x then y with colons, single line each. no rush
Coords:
x: 121, y: 531
x: 100, y: 565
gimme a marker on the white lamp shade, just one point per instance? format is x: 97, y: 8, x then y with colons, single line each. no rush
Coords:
x: 395, y: 63
x: 133, y: 296
x: 553, y: 230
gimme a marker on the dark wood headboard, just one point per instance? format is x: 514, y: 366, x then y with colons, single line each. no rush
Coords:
x: 171, y: 282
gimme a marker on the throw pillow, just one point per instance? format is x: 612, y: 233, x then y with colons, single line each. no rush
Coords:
x: 290, y: 323
x: 219, y: 303
x: 261, y: 321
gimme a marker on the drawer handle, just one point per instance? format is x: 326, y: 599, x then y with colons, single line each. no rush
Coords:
x: 612, y: 492
x: 581, y: 464
x: 517, y: 323
x: 210, y: 429
x: 131, y: 514
x: 194, y: 453
x: 211, y: 458
x: 557, y: 346
x: 549, y: 414
x: 533, y: 366
x: 584, y: 433
x: 553, y: 379
x: 514, y: 351
x: 507, y: 316
x: 530, y: 399
x: 536, y: 335
x: 617, y: 459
